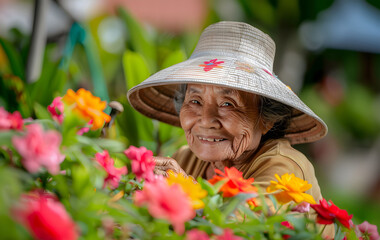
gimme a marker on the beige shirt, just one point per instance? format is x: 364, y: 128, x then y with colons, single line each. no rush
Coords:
x: 275, y: 156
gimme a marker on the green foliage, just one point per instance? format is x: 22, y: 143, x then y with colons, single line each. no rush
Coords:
x: 15, y: 60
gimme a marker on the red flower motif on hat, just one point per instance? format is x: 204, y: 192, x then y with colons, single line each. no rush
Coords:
x: 208, y: 65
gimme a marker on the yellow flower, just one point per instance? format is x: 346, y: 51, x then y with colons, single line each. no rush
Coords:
x: 293, y: 188
x: 87, y: 106
x: 192, y: 188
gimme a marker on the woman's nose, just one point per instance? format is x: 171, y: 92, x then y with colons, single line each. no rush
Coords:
x: 209, y: 117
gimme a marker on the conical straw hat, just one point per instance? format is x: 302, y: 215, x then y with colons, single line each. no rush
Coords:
x: 234, y: 55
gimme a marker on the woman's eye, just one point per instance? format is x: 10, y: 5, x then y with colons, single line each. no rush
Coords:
x: 227, y: 104
x: 195, y: 101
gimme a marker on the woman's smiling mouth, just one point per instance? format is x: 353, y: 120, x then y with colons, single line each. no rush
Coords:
x: 208, y: 139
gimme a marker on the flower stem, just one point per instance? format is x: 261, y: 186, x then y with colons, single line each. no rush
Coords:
x: 278, y: 209
x: 323, y: 229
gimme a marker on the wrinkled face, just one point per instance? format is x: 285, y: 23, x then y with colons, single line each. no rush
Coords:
x: 221, y: 123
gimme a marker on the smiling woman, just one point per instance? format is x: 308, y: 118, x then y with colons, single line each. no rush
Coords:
x: 221, y: 124
x: 234, y: 111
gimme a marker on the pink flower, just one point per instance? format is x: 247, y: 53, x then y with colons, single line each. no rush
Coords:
x: 85, y: 129
x: 142, y: 162
x: 10, y: 120
x: 228, y: 234
x: 368, y: 231
x: 113, y: 174
x: 195, y: 234
x: 303, y: 207
x: 39, y: 149
x: 166, y: 202
x: 44, y: 217
x: 56, y: 109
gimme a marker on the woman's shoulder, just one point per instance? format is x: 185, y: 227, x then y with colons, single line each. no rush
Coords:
x: 281, y: 150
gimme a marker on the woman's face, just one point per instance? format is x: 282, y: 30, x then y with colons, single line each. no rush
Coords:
x: 221, y: 123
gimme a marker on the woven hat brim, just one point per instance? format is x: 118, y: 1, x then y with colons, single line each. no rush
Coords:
x: 155, y: 96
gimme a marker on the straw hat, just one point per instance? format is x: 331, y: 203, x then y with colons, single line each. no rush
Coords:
x: 228, y: 54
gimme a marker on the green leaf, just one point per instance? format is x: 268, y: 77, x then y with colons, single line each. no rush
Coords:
x: 174, y: 58
x: 231, y: 205
x: 247, y: 211
x: 95, y: 66
x: 127, y: 123
x: 339, y: 234
x: 147, y: 131
x: 11, y: 186
x: 165, y: 132
x: 92, y: 142
x: 138, y: 39
x: 211, y: 189
x: 297, y: 221
x: 41, y: 112
x: 135, y: 68
x: 50, y: 83
x: 14, y: 58
x: 6, y: 137
x: 212, y: 211
x: 110, y: 145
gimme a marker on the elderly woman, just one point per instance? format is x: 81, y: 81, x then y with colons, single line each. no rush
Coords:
x: 234, y: 111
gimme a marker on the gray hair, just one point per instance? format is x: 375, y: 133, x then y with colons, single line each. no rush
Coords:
x: 179, y: 97
x: 271, y: 111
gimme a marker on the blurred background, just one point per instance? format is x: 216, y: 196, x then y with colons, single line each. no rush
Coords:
x: 327, y: 52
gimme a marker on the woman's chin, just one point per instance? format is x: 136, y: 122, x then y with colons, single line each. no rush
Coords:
x: 210, y: 157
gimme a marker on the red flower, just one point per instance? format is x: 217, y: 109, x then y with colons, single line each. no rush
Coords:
x: 114, y: 174
x: 10, y: 120
x: 328, y: 212
x: 142, y: 162
x: 44, y: 217
x: 288, y: 225
x: 235, y: 183
x: 208, y: 65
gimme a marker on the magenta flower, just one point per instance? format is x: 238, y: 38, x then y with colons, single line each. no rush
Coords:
x: 39, y: 149
x: 166, y: 202
x: 368, y: 231
x: 56, y: 109
x: 44, y: 217
x: 10, y: 120
x: 142, y: 162
x: 228, y: 234
x: 195, y: 234
x: 303, y: 207
x: 113, y: 174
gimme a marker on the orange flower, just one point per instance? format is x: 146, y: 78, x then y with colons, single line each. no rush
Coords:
x: 87, y: 106
x: 293, y: 188
x: 235, y: 183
